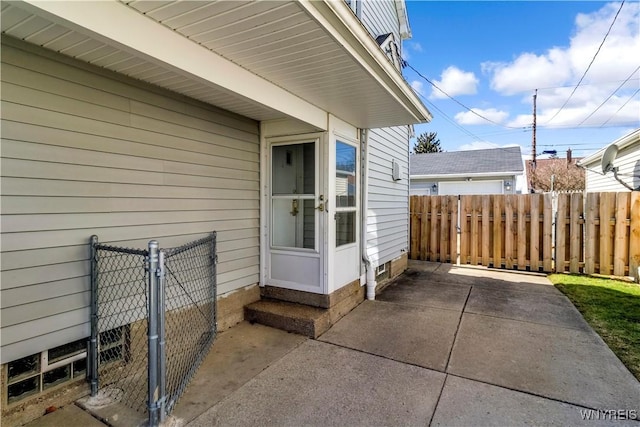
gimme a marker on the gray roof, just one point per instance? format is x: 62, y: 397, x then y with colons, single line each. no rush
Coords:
x: 493, y: 160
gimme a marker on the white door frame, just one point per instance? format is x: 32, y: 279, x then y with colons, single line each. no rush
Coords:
x: 345, y: 261
x: 298, y: 256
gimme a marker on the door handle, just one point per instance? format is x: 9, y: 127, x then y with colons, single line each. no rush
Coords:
x: 294, y: 207
x: 323, y: 207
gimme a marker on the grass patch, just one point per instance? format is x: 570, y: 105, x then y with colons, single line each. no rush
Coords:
x: 612, y: 308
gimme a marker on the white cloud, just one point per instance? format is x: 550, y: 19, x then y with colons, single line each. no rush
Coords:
x: 483, y: 145
x: 527, y: 71
x: 455, y: 82
x: 418, y: 87
x: 416, y: 47
x: 564, y: 66
x: 477, y: 145
x: 468, y: 118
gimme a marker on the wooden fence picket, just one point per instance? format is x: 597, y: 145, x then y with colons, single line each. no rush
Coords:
x: 498, y: 235
x: 547, y: 233
x: 634, y: 234
x: 508, y: 231
x: 561, y: 235
x: 607, y: 206
x: 453, y: 228
x: 425, y: 226
x: 534, y: 226
x: 575, y: 232
x: 621, y: 233
x: 591, y: 230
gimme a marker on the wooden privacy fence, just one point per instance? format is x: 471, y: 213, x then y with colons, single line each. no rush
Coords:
x: 577, y: 233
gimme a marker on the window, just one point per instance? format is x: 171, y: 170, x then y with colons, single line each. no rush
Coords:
x: 346, y: 195
x: 39, y: 372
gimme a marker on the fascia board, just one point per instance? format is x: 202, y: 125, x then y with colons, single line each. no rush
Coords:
x: 117, y: 25
x: 348, y: 31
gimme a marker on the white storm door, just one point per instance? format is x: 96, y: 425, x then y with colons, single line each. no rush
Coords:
x: 296, y: 209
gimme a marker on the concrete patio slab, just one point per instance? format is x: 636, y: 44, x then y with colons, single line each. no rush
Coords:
x: 569, y: 365
x: 322, y: 384
x: 426, y: 294
x: 405, y: 333
x: 238, y: 355
x: 69, y: 415
x: 479, y: 276
x: 536, y: 307
x: 470, y: 403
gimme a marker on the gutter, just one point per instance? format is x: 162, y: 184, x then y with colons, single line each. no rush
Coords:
x: 370, y: 269
x: 469, y: 175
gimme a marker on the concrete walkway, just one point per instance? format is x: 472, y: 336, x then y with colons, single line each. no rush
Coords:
x: 440, y: 346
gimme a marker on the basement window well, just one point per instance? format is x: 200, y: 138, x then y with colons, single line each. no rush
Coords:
x: 40, y: 372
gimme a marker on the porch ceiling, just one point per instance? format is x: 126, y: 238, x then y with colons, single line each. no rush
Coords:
x: 264, y: 60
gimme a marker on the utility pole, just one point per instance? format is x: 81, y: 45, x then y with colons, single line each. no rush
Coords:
x: 533, y: 143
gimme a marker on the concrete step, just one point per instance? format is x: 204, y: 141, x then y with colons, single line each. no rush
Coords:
x: 301, y: 319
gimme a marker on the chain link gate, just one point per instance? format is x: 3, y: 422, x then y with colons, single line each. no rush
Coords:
x: 153, y: 320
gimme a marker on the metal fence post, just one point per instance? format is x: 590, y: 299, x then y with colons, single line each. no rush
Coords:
x: 152, y: 334
x: 93, y: 342
x: 162, y: 366
x: 214, y: 269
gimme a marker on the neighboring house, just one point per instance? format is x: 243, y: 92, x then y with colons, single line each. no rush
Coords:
x: 556, y: 174
x: 626, y: 162
x: 489, y: 171
x: 281, y: 125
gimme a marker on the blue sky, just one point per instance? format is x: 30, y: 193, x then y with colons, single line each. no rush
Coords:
x: 491, y: 56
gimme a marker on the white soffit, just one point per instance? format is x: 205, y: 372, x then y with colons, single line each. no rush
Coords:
x: 264, y: 60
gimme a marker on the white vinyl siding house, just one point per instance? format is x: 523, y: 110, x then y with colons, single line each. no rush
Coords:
x: 387, y: 219
x: 627, y: 161
x: 87, y: 151
x: 388, y: 199
x: 136, y: 121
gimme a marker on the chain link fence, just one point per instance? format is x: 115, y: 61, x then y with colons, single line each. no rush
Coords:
x: 153, y: 320
x: 190, y: 318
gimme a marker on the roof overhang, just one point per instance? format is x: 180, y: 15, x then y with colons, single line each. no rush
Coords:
x: 264, y: 60
x: 623, y: 142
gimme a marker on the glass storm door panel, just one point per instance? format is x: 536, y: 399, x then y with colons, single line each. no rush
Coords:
x: 293, y: 196
x: 295, y: 209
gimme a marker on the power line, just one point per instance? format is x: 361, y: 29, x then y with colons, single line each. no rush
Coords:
x: 573, y: 144
x: 453, y: 122
x: 621, y: 107
x: 572, y: 85
x: 609, y: 97
x: 627, y: 123
x: 406, y: 64
x: 589, y: 66
x: 447, y: 118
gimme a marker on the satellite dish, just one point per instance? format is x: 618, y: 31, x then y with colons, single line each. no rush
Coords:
x: 608, y: 157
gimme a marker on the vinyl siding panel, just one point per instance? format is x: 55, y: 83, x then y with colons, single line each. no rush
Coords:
x: 628, y: 163
x: 84, y: 152
x: 380, y: 17
x: 388, y: 205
